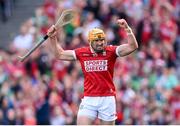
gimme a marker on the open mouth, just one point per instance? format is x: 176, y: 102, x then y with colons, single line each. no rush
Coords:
x: 100, y: 48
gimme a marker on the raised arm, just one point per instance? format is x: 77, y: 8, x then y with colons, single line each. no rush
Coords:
x: 58, y: 51
x: 132, y: 45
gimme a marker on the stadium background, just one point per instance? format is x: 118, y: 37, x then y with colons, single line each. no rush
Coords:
x: 42, y: 90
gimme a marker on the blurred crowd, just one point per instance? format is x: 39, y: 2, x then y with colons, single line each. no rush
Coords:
x: 44, y: 90
x: 6, y: 9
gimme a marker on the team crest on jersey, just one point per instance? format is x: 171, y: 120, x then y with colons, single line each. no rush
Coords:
x: 95, y: 65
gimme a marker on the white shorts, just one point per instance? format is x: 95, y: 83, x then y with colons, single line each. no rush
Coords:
x: 102, y: 107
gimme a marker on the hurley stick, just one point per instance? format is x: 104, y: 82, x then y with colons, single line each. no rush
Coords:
x: 65, y: 18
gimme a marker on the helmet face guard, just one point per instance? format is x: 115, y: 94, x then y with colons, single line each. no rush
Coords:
x: 96, y: 34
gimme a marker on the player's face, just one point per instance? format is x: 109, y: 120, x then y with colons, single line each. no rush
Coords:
x: 98, y: 45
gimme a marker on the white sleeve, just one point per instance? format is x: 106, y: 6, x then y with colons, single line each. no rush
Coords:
x: 74, y: 55
x: 117, y: 51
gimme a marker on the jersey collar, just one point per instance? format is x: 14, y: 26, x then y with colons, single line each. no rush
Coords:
x: 92, y: 50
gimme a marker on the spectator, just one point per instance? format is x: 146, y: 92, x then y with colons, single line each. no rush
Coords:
x: 149, y: 78
x: 24, y: 40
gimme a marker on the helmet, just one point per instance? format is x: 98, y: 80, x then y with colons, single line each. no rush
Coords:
x: 95, y: 34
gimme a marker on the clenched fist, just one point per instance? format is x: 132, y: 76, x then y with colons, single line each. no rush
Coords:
x: 122, y: 23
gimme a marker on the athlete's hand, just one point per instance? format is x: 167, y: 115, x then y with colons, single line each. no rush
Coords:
x: 52, y: 32
x: 122, y: 23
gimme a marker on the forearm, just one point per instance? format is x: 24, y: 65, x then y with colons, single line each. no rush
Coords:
x: 131, y: 46
x: 55, y: 47
x: 58, y: 51
x: 132, y: 42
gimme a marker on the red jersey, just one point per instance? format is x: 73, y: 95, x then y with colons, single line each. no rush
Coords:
x: 167, y: 30
x: 98, y: 70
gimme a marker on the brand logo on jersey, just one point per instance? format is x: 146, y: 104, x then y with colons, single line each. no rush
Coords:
x: 94, y: 55
x: 85, y: 54
x: 95, y: 65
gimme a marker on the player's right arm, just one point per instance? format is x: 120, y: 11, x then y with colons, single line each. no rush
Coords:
x: 58, y: 51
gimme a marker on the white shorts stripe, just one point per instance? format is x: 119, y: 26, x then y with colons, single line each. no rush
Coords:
x: 117, y: 51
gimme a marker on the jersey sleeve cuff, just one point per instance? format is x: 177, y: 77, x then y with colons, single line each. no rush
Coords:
x: 117, y: 51
x: 74, y: 54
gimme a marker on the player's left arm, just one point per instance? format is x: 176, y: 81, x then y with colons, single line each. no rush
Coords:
x: 132, y: 45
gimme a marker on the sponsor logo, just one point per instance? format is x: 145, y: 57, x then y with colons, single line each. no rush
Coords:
x: 94, y: 55
x: 95, y: 65
x: 85, y: 54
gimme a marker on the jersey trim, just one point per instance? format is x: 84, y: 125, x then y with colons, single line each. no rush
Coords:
x: 91, y: 49
x: 117, y: 51
x: 74, y: 54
